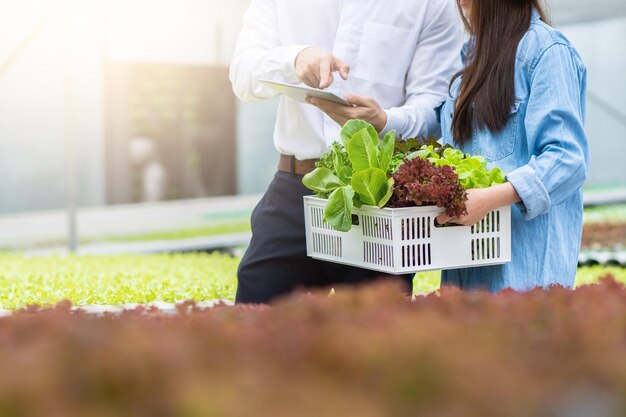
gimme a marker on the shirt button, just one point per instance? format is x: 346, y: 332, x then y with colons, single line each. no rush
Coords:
x: 451, y: 115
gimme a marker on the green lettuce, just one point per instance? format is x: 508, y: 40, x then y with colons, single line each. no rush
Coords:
x: 363, y: 151
x: 323, y: 181
x: 338, y: 212
x: 354, y: 173
x: 373, y: 187
x: 354, y: 126
x: 357, y: 171
x: 472, y: 170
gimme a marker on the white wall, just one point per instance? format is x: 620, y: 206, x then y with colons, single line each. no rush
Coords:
x: 602, y: 46
x: 576, y: 11
x: 33, y: 90
x: 186, y: 31
x: 32, y: 110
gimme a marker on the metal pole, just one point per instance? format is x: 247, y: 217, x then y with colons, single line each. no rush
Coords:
x: 70, y: 139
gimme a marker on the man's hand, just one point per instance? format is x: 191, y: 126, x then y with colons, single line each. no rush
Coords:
x: 364, y: 108
x: 315, y: 68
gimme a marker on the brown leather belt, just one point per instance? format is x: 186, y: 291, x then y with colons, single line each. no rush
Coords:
x: 290, y: 164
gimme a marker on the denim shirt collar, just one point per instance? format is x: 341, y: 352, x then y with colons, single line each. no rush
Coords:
x: 535, y: 16
x: 469, y: 45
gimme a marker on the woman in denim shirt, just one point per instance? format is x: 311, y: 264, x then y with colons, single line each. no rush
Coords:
x: 520, y: 102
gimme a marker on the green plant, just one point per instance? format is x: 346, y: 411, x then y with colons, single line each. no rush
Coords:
x: 362, y: 170
x: 366, y: 352
x: 209, y: 230
x: 419, y: 182
x: 472, y: 170
x: 606, y: 214
x: 353, y: 173
x: 592, y: 274
x: 122, y: 279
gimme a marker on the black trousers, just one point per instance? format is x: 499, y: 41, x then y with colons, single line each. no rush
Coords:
x: 276, y: 262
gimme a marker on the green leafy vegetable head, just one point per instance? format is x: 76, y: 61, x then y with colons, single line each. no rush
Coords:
x: 373, y: 187
x: 354, y: 126
x: 323, y: 181
x: 363, y: 151
x: 338, y: 212
x: 354, y: 172
x: 386, y: 151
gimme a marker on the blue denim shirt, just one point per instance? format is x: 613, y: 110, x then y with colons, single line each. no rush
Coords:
x: 545, y: 152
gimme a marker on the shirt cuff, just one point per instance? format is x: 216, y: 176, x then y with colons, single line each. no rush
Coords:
x: 535, y: 198
x: 288, y: 60
x: 396, y: 119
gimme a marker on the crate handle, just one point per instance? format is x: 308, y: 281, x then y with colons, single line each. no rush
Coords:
x: 356, y: 220
x: 445, y: 226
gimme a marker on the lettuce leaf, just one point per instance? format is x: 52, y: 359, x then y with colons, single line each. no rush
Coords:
x: 354, y: 173
x: 322, y: 181
x: 472, y: 170
x: 354, y: 126
x: 363, y: 151
x: 372, y: 186
x: 338, y: 212
x: 386, y: 151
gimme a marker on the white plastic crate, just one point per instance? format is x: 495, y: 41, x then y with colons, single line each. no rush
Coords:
x: 406, y: 240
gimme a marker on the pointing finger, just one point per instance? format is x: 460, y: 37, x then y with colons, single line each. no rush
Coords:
x: 326, y: 76
x: 343, y: 68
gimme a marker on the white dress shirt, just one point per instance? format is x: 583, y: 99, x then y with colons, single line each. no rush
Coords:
x: 402, y: 53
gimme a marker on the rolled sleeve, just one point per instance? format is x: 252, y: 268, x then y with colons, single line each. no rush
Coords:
x: 555, y: 133
x: 535, y: 197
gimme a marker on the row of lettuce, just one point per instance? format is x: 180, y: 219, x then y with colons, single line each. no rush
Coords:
x: 367, y: 353
x: 124, y: 279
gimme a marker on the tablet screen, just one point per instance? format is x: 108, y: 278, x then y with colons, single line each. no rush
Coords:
x: 301, y: 92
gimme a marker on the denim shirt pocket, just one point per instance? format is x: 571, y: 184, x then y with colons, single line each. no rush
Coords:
x: 496, y: 146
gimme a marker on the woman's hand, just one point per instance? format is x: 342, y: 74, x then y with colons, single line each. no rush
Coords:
x: 481, y: 201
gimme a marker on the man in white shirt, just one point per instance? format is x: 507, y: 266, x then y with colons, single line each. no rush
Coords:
x: 391, y: 59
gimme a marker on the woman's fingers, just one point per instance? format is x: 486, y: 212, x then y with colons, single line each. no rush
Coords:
x: 443, y: 219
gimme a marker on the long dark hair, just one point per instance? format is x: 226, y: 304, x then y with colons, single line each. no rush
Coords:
x: 487, y: 90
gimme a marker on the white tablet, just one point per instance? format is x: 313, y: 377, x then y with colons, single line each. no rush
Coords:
x: 301, y: 92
